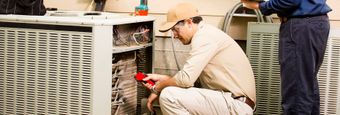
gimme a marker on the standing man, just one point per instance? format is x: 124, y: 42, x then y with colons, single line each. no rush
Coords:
x: 303, y: 37
x: 216, y: 61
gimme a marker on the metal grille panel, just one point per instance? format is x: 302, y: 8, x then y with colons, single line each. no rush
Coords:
x: 329, y: 76
x: 45, y: 72
x: 262, y: 50
x: 124, y: 86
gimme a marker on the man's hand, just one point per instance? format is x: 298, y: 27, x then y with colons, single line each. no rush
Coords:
x: 151, y: 99
x: 156, y: 78
x: 162, y: 81
x: 250, y: 4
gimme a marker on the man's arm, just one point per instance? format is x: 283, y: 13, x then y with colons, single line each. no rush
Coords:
x: 202, y: 52
x: 272, y: 6
x: 162, y: 84
x: 162, y: 81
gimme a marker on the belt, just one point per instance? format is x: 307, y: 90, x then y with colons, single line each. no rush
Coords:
x: 284, y: 19
x: 246, y: 100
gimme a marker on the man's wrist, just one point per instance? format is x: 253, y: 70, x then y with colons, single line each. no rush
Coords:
x: 153, y: 89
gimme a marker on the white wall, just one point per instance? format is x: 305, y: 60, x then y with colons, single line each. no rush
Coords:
x: 214, y: 10
x: 78, y: 5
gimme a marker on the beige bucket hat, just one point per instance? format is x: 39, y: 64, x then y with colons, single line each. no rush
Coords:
x: 180, y: 12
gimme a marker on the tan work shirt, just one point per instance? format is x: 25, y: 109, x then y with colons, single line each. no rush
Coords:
x: 218, y: 62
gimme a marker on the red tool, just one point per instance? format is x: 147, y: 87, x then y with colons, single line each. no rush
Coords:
x: 140, y: 76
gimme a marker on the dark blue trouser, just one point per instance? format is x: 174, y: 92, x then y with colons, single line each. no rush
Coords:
x: 301, y: 49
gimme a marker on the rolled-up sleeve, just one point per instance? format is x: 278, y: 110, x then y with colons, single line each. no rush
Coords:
x: 278, y: 6
x: 201, y: 53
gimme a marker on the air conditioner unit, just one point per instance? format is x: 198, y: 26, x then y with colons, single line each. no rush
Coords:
x: 262, y: 50
x: 329, y: 76
x: 63, y: 64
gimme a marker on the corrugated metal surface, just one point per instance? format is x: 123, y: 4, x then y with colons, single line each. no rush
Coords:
x: 124, y: 86
x: 45, y: 72
x: 329, y: 76
x: 164, y: 57
x: 262, y: 51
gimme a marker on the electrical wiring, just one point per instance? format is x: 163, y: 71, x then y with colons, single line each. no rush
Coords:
x: 173, y: 50
x: 139, y: 36
x: 117, y: 36
x: 134, y: 38
x: 140, y: 33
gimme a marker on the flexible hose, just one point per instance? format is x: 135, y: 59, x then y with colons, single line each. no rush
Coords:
x: 229, y: 15
x: 173, y: 49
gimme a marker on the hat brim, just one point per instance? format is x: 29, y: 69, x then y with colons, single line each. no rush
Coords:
x: 167, y: 26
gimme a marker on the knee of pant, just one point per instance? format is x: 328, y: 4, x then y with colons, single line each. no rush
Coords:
x: 168, y: 93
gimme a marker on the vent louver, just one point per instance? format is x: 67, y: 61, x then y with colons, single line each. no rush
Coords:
x: 329, y: 76
x: 45, y: 72
x: 262, y: 51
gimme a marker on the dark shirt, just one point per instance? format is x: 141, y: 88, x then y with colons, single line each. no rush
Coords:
x: 295, y: 8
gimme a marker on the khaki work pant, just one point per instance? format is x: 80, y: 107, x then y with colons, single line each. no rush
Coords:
x: 197, y: 101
